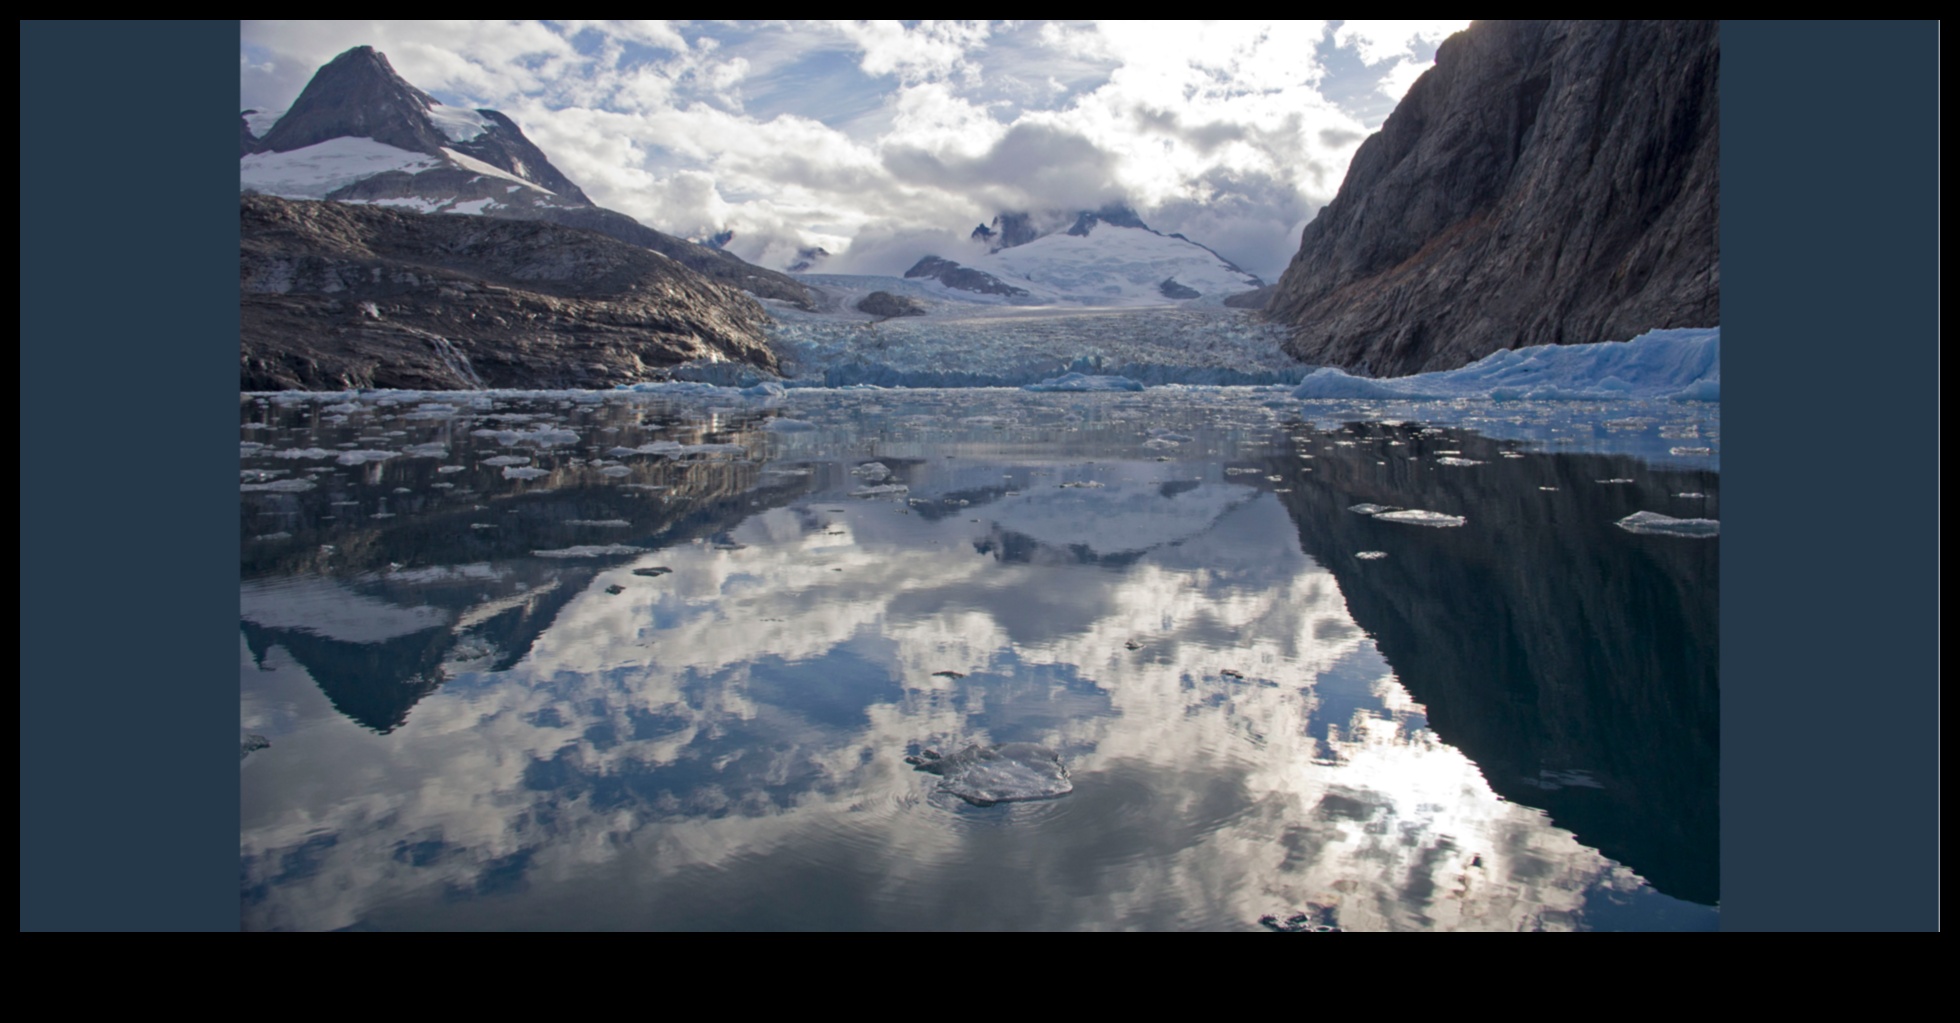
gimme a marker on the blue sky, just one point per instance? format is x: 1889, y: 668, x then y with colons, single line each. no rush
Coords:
x: 883, y: 141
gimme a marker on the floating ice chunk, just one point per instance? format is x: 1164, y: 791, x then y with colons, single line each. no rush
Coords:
x: 1691, y: 495
x: 998, y: 774
x: 363, y: 457
x: 434, y: 450
x: 881, y: 490
x: 606, y: 551
x: 1458, y: 461
x: 520, y: 473
x: 503, y: 460
x: 605, y: 523
x: 766, y: 389
x: 1615, y: 480
x: 788, y: 426
x: 1689, y: 451
x: 451, y: 468
x: 281, y: 535
x: 1656, y: 524
x: 1085, y: 382
x: 1416, y: 517
x: 308, y: 453
x: 1161, y: 443
x: 1332, y: 383
x: 615, y: 471
x: 872, y: 471
x: 279, y: 487
x: 1371, y: 555
x: 1369, y: 509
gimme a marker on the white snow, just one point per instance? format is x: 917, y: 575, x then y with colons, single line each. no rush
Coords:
x: 258, y: 122
x: 1681, y: 364
x: 459, y: 123
x: 471, y: 163
x: 1120, y: 266
x: 318, y: 169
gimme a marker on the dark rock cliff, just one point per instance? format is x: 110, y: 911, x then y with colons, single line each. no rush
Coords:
x: 337, y: 296
x: 1546, y: 182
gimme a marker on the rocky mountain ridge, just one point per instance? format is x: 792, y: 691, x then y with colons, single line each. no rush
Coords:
x: 339, y: 295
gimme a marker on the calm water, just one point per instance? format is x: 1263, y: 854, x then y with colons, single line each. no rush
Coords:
x: 470, y: 701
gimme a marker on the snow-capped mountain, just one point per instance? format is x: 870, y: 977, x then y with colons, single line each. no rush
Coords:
x: 359, y: 133
x: 1106, y: 257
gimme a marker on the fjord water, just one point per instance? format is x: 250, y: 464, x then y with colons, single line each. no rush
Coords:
x: 656, y: 660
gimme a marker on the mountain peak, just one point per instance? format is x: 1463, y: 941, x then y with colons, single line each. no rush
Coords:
x: 358, y: 94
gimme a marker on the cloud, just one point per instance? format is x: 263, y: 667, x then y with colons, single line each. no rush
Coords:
x: 873, y: 139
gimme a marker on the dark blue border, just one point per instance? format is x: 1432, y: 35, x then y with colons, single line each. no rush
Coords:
x: 128, y: 458
x: 128, y: 799
x: 1830, y: 466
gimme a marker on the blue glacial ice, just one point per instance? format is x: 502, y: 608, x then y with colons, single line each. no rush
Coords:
x: 1682, y: 365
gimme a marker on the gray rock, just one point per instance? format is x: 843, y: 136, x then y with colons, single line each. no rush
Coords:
x: 1171, y: 289
x: 953, y: 275
x: 338, y: 296
x: 1546, y: 182
x: 884, y: 303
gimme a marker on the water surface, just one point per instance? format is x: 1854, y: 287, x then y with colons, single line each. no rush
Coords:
x: 642, y: 661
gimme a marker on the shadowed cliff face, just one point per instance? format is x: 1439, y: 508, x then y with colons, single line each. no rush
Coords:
x: 338, y: 296
x: 1574, y: 661
x: 1545, y: 183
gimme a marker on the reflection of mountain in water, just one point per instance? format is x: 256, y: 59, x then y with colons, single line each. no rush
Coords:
x: 1575, y: 662
x: 382, y: 610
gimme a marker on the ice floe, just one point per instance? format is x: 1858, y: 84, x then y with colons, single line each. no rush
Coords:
x: 1656, y: 524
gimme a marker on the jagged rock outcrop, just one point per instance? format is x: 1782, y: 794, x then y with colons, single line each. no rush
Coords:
x: 884, y: 303
x: 1171, y: 289
x: 338, y: 296
x: 1546, y: 182
x: 953, y: 275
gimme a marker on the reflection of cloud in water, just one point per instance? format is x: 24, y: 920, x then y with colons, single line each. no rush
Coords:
x: 738, y: 725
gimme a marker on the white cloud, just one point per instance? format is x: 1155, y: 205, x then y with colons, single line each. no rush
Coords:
x: 884, y: 135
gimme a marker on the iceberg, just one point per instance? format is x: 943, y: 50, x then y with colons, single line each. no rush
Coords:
x: 1682, y: 365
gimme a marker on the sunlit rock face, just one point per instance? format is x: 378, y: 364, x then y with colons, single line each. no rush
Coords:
x: 1547, y: 182
x: 337, y: 296
x: 682, y: 695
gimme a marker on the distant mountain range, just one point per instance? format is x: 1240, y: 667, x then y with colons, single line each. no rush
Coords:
x: 359, y: 133
x: 1107, y: 256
